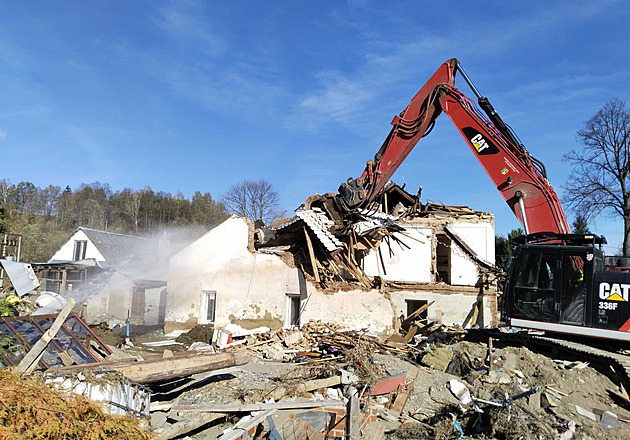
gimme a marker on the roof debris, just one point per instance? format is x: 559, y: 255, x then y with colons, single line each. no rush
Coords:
x: 329, y: 246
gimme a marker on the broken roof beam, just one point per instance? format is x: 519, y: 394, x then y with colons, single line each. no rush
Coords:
x: 462, y: 244
x: 311, y: 254
x: 156, y: 370
x: 30, y: 361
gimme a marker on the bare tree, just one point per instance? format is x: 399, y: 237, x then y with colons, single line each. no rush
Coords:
x: 254, y: 200
x: 599, y: 179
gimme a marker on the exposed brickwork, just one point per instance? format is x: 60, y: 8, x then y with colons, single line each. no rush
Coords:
x: 338, y: 423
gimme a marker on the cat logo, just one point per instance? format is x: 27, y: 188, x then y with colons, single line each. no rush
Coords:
x: 614, y: 291
x: 481, y: 144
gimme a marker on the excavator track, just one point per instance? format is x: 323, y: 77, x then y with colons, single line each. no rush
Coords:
x: 619, y: 363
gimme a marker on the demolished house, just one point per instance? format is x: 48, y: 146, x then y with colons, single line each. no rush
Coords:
x: 114, y: 276
x: 371, y: 270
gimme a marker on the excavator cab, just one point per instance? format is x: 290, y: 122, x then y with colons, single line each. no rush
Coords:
x: 558, y: 283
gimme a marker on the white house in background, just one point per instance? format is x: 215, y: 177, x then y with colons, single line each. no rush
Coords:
x: 221, y: 279
x: 112, y: 275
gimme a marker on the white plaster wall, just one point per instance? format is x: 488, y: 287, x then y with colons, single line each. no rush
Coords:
x: 480, y: 238
x: 350, y: 309
x: 119, y: 289
x: 152, y: 299
x: 455, y: 307
x: 96, y: 308
x: 413, y: 265
x: 254, y: 286
x: 111, y: 303
x: 247, y: 285
x: 66, y: 252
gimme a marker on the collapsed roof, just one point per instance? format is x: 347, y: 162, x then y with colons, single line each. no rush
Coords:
x: 329, y: 244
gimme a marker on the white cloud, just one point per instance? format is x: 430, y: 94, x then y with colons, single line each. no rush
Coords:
x: 185, y: 21
x: 3, y: 134
x: 245, y: 84
x: 377, y: 81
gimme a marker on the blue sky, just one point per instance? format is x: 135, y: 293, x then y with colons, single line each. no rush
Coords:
x: 198, y: 95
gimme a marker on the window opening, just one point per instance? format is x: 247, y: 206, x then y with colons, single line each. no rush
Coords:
x: 209, y: 306
x: 534, y: 290
x: 293, y: 311
x: 443, y: 258
x: 573, y: 294
x: 415, y: 304
x: 80, y: 247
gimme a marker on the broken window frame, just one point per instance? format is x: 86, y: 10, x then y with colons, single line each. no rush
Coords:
x: 413, y: 304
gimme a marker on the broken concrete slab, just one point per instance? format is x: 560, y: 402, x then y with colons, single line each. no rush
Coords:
x: 609, y: 421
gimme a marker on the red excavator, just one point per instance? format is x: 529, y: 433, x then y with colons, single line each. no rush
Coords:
x: 556, y: 281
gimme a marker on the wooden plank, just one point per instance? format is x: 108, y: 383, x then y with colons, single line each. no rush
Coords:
x: 255, y: 406
x: 186, y: 426
x: 169, y: 368
x: 353, y: 420
x: 311, y: 254
x: 29, y: 362
x: 307, y: 386
x: 248, y: 423
x: 417, y: 312
x: 475, y: 315
x: 401, y: 398
x: 295, y: 429
x: 374, y: 431
x: 410, y: 334
x: 66, y: 359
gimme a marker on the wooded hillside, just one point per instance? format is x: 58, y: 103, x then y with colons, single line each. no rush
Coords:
x: 45, y: 217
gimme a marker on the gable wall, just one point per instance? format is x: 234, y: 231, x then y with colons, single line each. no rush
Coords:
x: 66, y: 252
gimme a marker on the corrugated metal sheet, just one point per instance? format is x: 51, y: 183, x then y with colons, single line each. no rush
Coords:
x: 119, y: 394
x: 21, y: 275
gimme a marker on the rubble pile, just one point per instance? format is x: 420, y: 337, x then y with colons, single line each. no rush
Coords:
x: 435, y: 386
x: 323, y: 381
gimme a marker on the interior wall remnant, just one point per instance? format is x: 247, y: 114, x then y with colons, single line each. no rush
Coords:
x: 454, y: 308
x: 410, y: 265
x: 480, y: 238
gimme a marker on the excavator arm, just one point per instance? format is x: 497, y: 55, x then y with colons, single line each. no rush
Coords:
x: 517, y: 175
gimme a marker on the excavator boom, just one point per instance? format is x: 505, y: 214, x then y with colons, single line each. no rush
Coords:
x: 519, y: 177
